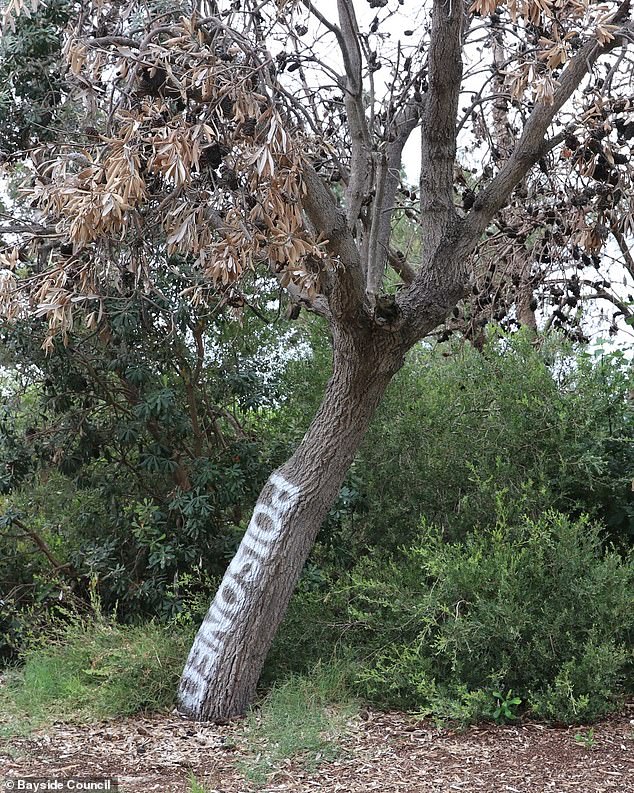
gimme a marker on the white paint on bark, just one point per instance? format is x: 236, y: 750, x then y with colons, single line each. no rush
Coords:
x: 239, y: 581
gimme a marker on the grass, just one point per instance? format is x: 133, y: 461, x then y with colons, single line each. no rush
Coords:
x: 195, y: 786
x: 94, y: 671
x: 300, y: 719
x: 102, y: 670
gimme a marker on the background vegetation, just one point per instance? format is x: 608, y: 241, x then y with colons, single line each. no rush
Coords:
x: 477, y: 564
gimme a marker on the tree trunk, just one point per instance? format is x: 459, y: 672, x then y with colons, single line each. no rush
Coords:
x: 225, y: 662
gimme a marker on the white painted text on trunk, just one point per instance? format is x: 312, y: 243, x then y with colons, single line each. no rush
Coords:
x: 240, y: 578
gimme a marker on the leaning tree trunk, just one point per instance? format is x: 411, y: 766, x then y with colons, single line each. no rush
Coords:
x: 228, y: 654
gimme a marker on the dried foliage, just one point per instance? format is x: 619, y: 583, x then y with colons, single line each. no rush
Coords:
x: 203, y: 135
x: 16, y: 8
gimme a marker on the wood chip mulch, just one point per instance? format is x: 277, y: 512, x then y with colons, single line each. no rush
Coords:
x: 385, y: 752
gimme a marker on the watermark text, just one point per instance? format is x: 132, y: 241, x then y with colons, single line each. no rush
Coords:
x: 59, y: 785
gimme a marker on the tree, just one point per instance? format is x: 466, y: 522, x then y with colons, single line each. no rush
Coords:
x: 218, y: 135
x: 31, y: 78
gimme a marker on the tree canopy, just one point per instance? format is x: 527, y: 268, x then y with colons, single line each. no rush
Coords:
x: 216, y: 134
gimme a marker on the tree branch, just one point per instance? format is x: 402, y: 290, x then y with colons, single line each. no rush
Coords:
x: 361, y: 142
x: 317, y: 304
x: 602, y: 294
x: 388, y: 179
x: 401, y: 266
x: 344, y: 287
x: 438, y: 128
x: 628, y: 259
x: 325, y: 22
x: 57, y: 565
x: 532, y: 143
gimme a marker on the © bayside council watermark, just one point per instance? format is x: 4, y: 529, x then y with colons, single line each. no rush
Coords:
x: 60, y: 785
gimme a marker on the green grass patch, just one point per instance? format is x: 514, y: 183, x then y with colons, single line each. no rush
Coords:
x: 99, y: 670
x: 300, y: 719
x: 195, y: 786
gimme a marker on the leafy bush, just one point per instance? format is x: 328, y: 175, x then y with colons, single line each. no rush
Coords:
x: 463, y: 435
x: 31, y: 94
x: 539, y: 609
x: 130, y: 455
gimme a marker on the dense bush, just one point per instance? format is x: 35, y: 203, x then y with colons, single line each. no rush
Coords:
x: 522, y: 427
x: 130, y: 456
x: 519, y: 428
x: 537, y: 608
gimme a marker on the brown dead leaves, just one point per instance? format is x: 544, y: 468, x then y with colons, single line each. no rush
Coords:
x: 193, y: 157
x: 566, y: 24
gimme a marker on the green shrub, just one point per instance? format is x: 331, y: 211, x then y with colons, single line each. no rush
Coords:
x: 126, y: 456
x: 539, y: 609
x: 584, y: 688
x: 516, y: 428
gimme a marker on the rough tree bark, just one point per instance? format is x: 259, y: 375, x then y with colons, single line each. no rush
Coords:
x: 226, y: 659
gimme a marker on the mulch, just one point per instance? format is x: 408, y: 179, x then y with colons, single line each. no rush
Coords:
x: 385, y: 752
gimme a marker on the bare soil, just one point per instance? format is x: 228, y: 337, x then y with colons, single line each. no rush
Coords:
x: 386, y: 752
